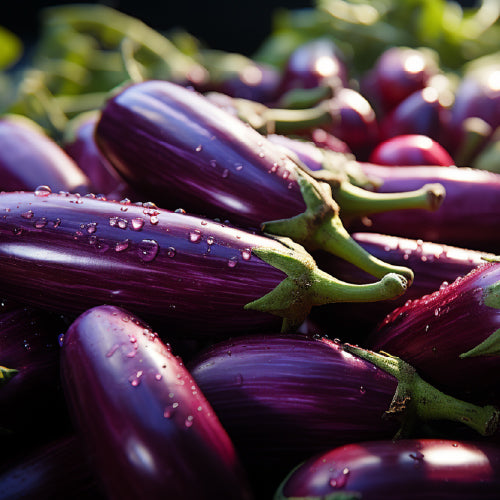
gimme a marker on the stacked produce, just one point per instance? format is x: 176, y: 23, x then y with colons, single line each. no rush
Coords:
x: 252, y: 276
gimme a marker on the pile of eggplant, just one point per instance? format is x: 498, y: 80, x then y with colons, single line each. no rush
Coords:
x: 252, y: 277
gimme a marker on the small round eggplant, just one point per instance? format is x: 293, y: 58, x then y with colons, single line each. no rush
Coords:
x: 29, y: 158
x: 149, y: 430
x: 411, y: 469
x: 68, y: 253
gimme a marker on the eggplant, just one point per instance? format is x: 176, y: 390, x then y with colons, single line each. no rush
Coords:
x: 68, y: 253
x: 411, y: 469
x: 464, y: 219
x: 180, y: 149
x: 450, y: 336
x: 29, y: 158
x: 29, y: 347
x: 55, y: 471
x: 149, y: 429
x: 283, y: 398
x: 434, y: 265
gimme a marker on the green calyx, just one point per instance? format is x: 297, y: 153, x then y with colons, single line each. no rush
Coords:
x: 6, y: 374
x: 306, y: 286
x: 416, y: 399
x: 319, y: 227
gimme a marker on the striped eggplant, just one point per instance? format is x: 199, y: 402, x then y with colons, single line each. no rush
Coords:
x: 434, y: 265
x: 149, y: 430
x: 58, y: 470
x: 283, y: 398
x: 29, y: 348
x: 465, y: 218
x: 434, y: 469
x: 68, y: 253
x: 29, y: 158
x: 451, y: 336
x: 180, y: 149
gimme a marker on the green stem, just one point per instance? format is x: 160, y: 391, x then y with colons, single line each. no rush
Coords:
x: 306, y: 286
x: 358, y: 202
x: 415, y: 398
x: 320, y: 228
x: 6, y: 374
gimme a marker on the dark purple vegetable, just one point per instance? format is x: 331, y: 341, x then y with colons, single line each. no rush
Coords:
x: 69, y: 253
x: 464, y: 219
x: 149, y: 430
x: 434, y: 265
x: 80, y: 145
x: 29, y: 158
x: 412, y: 469
x: 182, y: 150
x: 32, y: 403
x: 451, y: 336
x: 55, y: 471
x: 283, y: 398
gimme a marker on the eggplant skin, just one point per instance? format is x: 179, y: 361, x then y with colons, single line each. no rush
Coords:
x: 284, y: 397
x: 411, y: 469
x: 69, y: 253
x: 150, y: 431
x: 431, y: 332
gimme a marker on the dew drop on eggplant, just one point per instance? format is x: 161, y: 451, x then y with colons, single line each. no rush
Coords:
x: 171, y: 251
x: 28, y: 214
x: 120, y: 246
x: 148, y: 250
x: 232, y: 262
x: 17, y: 231
x: 137, y: 224
x: 42, y: 191
x: 195, y: 236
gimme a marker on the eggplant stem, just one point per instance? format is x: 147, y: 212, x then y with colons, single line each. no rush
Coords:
x: 6, y: 374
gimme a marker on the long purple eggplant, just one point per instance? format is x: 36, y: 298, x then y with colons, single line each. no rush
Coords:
x: 465, y: 218
x: 434, y: 469
x: 149, y: 430
x: 58, y: 470
x: 29, y: 158
x: 283, y: 398
x: 182, y: 150
x: 451, y: 336
x: 434, y: 265
x: 69, y: 253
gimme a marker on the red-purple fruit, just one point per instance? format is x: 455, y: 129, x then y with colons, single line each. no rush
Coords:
x: 149, y: 430
x: 411, y: 469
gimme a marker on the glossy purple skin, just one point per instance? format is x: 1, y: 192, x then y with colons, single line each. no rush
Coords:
x: 57, y: 470
x: 282, y: 398
x: 182, y: 150
x: 410, y: 149
x: 434, y: 265
x: 306, y: 151
x: 29, y: 344
x: 314, y: 63
x: 397, y: 73
x: 68, y: 253
x: 470, y: 210
x: 411, y: 469
x: 150, y: 431
x: 431, y: 332
x: 422, y: 112
x: 29, y: 158
x: 84, y: 151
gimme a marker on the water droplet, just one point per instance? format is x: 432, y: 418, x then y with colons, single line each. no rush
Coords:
x: 213, y: 163
x: 443, y: 285
x: 137, y: 224
x: 91, y: 227
x: 210, y: 240
x: 57, y: 223
x: 123, y: 209
x: 246, y: 254
x: 232, y: 262
x: 17, y: 230
x: 362, y: 390
x: 27, y: 215
x: 148, y: 250
x: 199, y: 148
x: 120, y: 246
x: 427, y: 328
x: 158, y: 376
x: 261, y: 155
x: 122, y: 223
x: 60, y: 339
x: 180, y: 211
x: 113, y: 221
x: 225, y: 173
x: 437, y: 311
x: 101, y: 245
x: 112, y: 350
x: 238, y: 167
x: 286, y: 174
x: 189, y: 421
x: 42, y: 191
x: 154, y: 220
x: 195, y: 236
x: 171, y: 251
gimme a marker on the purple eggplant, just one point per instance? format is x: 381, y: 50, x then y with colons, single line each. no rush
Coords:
x: 434, y: 265
x: 412, y: 469
x: 464, y: 219
x: 182, y: 150
x: 283, y: 398
x: 79, y: 144
x: 29, y: 346
x: 69, y: 253
x: 451, y: 336
x: 29, y: 158
x: 55, y: 471
x: 149, y: 430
